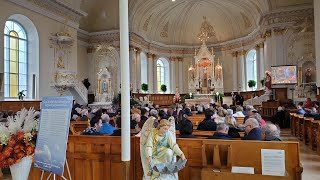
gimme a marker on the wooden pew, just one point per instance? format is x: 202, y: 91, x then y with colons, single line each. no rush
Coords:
x: 313, y: 134
x: 222, y: 155
x: 76, y: 127
x: 307, y: 129
x: 292, y: 124
x: 301, y: 127
x: 196, y: 119
x: 99, y: 157
x: 240, y: 120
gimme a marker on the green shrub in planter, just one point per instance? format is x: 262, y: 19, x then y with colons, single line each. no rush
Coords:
x: 163, y: 88
x: 144, y: 87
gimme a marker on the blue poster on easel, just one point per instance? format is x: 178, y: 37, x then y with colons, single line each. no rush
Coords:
x: 50, y: 154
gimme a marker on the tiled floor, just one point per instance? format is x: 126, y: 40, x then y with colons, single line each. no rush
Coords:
x: 309, y: 159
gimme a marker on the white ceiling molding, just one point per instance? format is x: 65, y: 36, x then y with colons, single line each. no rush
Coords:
x: 283, y: 19
x: 54, y: 9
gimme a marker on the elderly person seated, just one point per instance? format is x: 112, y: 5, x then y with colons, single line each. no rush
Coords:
x: 186, y: 129
x: 135, y: 118
x: 252, y: 129
x: 239, y: 112
x: 270, y: 132
x: 106, y: 127
x: 95, y: 125
x: 233, y: 129
x: 221, y: 133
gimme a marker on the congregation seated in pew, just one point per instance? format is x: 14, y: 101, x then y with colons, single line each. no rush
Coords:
x: 208, y: 124
x: 186, y: 129
x: 252, y: 129
x: 221, y: 133
x: 117, y: 131
x: 95, y: 125
x: 106, y: 127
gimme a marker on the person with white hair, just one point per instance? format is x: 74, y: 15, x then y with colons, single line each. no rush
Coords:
x: 252, y: 129
x: 106, y: 127
x: 221, y: 132
x: 270, y: 132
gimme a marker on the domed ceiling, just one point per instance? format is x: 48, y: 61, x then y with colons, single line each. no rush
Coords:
x: 179, y: 22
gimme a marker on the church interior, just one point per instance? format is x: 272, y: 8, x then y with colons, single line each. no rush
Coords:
x: 164, y: 89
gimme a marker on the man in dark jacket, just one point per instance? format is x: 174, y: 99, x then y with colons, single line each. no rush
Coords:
x: 208, y: 123
x: 270, y: 132
x: 252, y: 129
x: 221, y: 133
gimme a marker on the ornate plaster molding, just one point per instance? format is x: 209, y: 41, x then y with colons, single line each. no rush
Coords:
x: 273, y: 23
x: 54, y: 9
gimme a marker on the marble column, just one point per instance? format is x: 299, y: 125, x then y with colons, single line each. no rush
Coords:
x: 262, y: 70
x: 125, y: 87
x: 278, y: 46
x: 180, y: 74
x: 172, y: 75
x: 133, y: 78
x: 150, y: 72
x: 176, y: 62
x: 92, y: 75
x: 267, y: 51
x: 155, y: 84
x: 258, y: 62
x: 138, y: 68
x: 317, y: 39
x: 234, y: 71
x: 242, y: 74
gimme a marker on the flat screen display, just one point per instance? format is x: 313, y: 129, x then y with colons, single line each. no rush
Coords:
x: 284, y: 74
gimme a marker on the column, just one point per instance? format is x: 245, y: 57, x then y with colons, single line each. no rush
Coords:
x: 172, y: 75
x: 150, y: 72
x: 138, y: 68
x: 267, y: 51
x: 155, y: 84
x: 92, y: 75
x: 262, y: 70
x: 317, y: 39
x: 133, y: 69
x: 176, y: 62
x: 242, y: 71
x: 180, y: 74
x: 258, y: 62
x: 278, y: 45
x: 234, y: 71
x: 125, y: 88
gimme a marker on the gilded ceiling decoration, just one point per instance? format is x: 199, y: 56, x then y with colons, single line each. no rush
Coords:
x: 164, y: 32
x: 146, y: 23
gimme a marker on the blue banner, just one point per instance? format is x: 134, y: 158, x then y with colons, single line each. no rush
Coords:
x: 50, y: 154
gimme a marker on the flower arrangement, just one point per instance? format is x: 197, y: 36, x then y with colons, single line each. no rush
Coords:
x: 18, y: 139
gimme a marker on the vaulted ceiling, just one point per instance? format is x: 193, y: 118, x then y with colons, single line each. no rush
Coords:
x: 179, y: 22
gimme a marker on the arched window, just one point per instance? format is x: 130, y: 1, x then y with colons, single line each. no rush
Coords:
x: 251, y: 67
x: 144, y: 68
x: 15, y: 59
x: 163, y: 74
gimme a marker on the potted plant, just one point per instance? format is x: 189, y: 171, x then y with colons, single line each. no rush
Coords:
x: 163, y: 88
x: 144, y: 87
x: 21, y: 94
x: 18, y: 141
x: 251, y: 84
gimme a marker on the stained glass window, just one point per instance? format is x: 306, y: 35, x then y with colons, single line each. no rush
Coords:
x: 15, y: 59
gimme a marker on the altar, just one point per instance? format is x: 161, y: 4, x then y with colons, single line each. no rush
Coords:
x: 205, y: 75
x: 203, y: 99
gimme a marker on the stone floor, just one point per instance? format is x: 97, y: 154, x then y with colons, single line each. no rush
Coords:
x: 309, y: 159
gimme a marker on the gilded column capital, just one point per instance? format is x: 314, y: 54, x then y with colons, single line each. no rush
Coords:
x: 180, y: 59
x: 280, y: 31
x: 138, y: 50
x: 257, y: 47
x: 267, y: 34
x: 261, y: 45
x: 150, y: 55
x: 234, y: 53
x: 242, y: 53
